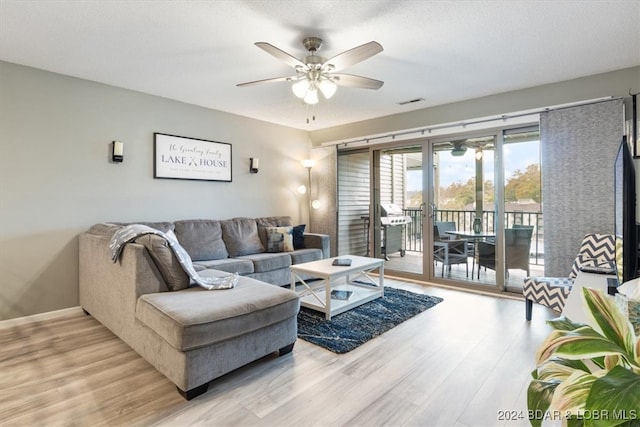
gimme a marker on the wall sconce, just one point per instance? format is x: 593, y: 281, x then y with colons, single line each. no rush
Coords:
x: 253, y: 165
x: 117, y: 150
x: 316, y: 204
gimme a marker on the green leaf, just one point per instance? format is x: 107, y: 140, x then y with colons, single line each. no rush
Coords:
x: 613, y: 323
x: 558, y: 337
x: 564, y: 324
x: 617, y: 395
x: 575, y: 422
x: 581, y: 343
x: 539, y: 395
x: 611, y: 361
x: 557, y: 369
x: 600, y: 361
x: 571, y: 394
x: 586, y: 347
x: 576, y: 364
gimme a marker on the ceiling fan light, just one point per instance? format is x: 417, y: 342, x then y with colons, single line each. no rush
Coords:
x: 328, y: 88
x: 300, y: 87
x: 311, y: 97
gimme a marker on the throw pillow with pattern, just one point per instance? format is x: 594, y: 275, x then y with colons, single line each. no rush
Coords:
x: 279, y: 239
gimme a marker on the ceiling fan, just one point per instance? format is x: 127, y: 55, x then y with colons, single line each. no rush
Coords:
x: 459, y: 148
x: 314, y: 73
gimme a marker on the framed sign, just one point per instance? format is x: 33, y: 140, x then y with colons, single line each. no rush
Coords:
x: 177, y: 157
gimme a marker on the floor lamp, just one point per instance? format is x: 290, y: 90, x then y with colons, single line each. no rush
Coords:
x: 308, y: 163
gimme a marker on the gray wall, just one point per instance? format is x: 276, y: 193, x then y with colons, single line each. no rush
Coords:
x: 56, y: 178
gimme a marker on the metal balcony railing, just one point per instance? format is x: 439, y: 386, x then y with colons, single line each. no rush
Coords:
x: 464, y: 221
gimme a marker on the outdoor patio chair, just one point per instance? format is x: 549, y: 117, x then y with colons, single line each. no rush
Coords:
x: 450, y: 251
x: 552, y: 292
x: 443, y: 227
x: 517, y: 243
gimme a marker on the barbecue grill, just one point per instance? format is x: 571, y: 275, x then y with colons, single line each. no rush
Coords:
x: 393, y: 226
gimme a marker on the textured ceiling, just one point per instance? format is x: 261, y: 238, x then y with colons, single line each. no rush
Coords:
x: 441, y: 51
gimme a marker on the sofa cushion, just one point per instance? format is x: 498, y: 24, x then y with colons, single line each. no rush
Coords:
x: 230, y: 265
x: 202, y: 239
x: 241, y: 236
x: 305, y: 255
x: 172, y: 272
x: 195, y: 317
x: 279, y: 239
x: 268, y: 261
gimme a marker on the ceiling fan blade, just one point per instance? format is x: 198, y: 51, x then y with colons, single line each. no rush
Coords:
x: 356, y: 81
x: 274, y: 80
x: 355, y: 55
x: 280, y: 54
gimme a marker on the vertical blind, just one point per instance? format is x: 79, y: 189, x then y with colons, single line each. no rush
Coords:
x: 353, y: 202
x: 578, y: 148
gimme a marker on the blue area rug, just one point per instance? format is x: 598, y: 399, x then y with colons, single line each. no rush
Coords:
x: 353, y: 328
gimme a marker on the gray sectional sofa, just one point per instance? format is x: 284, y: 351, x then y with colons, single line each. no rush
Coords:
x: 193, y: 335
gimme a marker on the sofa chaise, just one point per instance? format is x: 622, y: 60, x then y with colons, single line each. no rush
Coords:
x: 189, y: 334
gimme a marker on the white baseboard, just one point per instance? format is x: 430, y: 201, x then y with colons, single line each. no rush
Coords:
x: 18, y: 321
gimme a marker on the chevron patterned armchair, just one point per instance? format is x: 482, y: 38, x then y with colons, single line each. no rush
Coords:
x: 552, y: 292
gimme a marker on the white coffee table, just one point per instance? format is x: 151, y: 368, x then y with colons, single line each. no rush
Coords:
x: 316, y: 295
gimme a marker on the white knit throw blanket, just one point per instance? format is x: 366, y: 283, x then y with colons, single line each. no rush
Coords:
x: 128, y: 233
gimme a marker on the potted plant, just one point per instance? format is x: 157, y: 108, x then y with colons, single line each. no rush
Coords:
x: 588, y: 377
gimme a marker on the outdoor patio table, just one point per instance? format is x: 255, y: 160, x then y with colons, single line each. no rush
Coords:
x: 476, y: 237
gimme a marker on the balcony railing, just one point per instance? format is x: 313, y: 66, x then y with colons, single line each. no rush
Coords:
x: 464, y: 221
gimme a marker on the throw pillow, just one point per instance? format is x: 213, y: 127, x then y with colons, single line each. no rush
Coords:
x: 271, y: 221
x: 298, y: 236
x: 279, y: 239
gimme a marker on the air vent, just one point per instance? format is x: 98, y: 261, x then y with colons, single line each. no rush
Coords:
x: 411, y: 101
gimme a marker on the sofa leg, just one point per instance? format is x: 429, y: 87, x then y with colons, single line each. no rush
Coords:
x: 194, y: 392
x: 285, y: 350
x: 528, y: 308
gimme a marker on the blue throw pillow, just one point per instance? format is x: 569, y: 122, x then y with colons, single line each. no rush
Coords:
x: 298, y: 236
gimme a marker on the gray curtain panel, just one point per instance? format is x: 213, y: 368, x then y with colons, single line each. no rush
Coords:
x: 578, y: 147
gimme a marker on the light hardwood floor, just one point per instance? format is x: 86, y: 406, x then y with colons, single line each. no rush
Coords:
x: 457, y: 364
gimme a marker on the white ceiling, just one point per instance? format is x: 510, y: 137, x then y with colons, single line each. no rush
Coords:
x: 442, y: 51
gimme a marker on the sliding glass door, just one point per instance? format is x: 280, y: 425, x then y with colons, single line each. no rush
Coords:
x: 399, y: 213
x: 444, y: 209
x: 463, y: 208
x: 523, y: 230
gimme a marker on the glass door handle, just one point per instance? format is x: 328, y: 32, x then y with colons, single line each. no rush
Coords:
x: 432, y: 209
